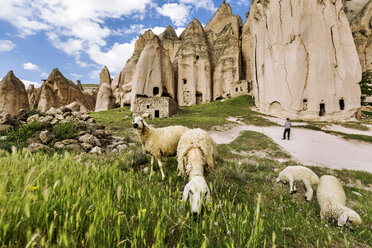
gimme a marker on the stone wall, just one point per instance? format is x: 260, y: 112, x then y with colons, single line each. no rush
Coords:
x: 154, y: 107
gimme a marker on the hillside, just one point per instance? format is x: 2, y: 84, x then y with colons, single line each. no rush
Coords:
x: 65, y: 199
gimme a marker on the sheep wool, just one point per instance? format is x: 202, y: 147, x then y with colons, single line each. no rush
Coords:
x: 299, y: 173
x: 332, y: 199
x: 196, y: 156
x: 159, y: 142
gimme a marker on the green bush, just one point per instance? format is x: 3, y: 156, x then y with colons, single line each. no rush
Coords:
x: 366, y: 83
x: 66, y: 130
x: 19, y: 136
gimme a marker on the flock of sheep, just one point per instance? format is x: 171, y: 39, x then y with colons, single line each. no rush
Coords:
x: 196, y: 155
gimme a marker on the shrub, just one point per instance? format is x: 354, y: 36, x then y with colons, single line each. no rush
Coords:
x: 19, y: 136
x: 66, y: 130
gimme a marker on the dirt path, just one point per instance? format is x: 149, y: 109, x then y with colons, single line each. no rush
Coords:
x: 310, y: 147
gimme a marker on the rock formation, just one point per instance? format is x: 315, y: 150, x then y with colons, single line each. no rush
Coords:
x: 194, y: 67
x: 304, y: 61
x: 13, y: 96
x: 123, y: 81
x: 170, y: 42
x: 154, y: 72
x: 361, y: 26
x: 353, y: 7
x: 223, y: 33
x: 58, y: 91
x: 33, y: 96
x: 105, y: 99
x: 79, y: 85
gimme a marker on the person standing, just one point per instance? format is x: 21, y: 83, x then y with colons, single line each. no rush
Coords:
x: 287, y: 129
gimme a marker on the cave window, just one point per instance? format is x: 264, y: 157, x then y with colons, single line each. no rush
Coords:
x: 155, y: 91
x: 197, y: 57
x: 304, y: 104
x: 148, y: 106
x: 236, y: 89
x: 342, y: 104
x: 157, y: 113
x: 322, y: 109
x: 184, y: 81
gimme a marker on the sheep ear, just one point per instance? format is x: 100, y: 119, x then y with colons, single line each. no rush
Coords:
x: 342, y: 220
x: 186, y: 193
x: 277, y: 180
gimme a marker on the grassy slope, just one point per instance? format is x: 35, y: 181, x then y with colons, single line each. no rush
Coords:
x: 108, y: 201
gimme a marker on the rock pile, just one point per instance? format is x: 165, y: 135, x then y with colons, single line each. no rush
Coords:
x: 88, y: 136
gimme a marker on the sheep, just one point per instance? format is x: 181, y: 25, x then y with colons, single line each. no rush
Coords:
x: 299, y: 173
x: 331, y: 198
x: 196, y: 156
x: 159, y: 142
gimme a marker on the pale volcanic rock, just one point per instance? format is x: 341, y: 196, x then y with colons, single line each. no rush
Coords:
x: 226, y: 51
x: 361, y: 26
x: 13, y: 96
x: 170, y: 42
x: 105, y: 99
x: 194, y: 67
x: 58, y: 91
x: 124, y: 79
x: 353, y: 7
x: 79, y: 85
x: 304, y: 59
x: 154, y: 72
x: 33, y: 96
x: 246, y: 51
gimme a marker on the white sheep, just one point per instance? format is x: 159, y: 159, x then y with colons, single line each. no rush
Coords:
x: 196, y: 156
x: 299, y: 173
x: 331, y: 198
x: 159, y: 142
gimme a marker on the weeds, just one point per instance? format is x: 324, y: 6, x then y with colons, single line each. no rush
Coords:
x: 65, y: 130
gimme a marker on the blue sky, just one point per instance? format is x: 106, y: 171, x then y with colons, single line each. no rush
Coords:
x: 81, y: 36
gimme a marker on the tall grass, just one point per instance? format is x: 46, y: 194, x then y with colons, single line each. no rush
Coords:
x: 19, y: 136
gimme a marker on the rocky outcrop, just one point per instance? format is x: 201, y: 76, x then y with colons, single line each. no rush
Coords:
x: 304, y: 59
x: 154, y: 72
x: 194, y: 67
x: 57, y: 91
x: 33, y: 96
x: 170, y: 42
x: 105, y: 99
x: 124, y: 80
x: 223, y: 33
x: 353, y: 7
x: 13, y: 96
x: 79, y: 85
x: 361, y: 26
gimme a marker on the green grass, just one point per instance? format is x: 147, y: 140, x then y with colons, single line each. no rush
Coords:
x: 354, y: 125
x: 64, y: 200
x: 357, y: 137
x: 203, y: 116
x: 65, y: 130
x: 19, y: 136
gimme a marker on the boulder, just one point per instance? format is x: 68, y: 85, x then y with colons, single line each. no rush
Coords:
x: 8, y: 119
x: 33, y: 118
x: 58, y: 91
x: 75, y: 147
x: 89, y: 139
x: 13, y: 96
x: 154, y: 72
x: 194, y: 67
x: 96, y: 150
x: 304, y: 60
x: 35, y: 147
x: 4, y: 128
x: 46, y: 136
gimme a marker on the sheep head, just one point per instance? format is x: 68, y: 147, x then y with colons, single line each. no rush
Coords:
x: 197, y: 191
x: 282, y: 178
x: 138, y: 123
x: 350, y: 219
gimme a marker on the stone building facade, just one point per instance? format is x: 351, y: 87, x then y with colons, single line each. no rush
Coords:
x: 154, y: 107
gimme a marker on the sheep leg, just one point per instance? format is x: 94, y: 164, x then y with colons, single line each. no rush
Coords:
x: 161, y: 169
x: 291, y: 190
x: 152, y: 166
x: 309, y: 190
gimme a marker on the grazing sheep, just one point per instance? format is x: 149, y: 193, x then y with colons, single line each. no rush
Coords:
x: 332, y: 199
x: 299, y: 173
x: 159, y: 142
x: 196, y: 156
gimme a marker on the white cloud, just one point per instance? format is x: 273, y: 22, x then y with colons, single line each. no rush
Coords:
x: 178, y: 13
x: 27, y: 83
x: 206, y: 4
x: 6, y: 46
x: 44, y: 75
x: 133, y: 29
x: 76, y: 76
x: 115, y: 58
x: 179, y: 31
x: 29, y: 66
